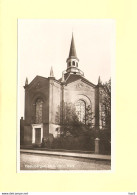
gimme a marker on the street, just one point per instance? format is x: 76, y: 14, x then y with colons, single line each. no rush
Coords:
x: 50, y: 162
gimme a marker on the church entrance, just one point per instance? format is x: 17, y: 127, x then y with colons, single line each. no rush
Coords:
x: 37, y: 135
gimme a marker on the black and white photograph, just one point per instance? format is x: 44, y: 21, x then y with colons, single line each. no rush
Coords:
x: 65, y: 94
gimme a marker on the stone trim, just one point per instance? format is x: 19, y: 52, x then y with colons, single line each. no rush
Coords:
x: 34, y: 126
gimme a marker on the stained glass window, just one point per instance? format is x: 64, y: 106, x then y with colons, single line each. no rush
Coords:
x: 81, y: 110
x: 39, y: 103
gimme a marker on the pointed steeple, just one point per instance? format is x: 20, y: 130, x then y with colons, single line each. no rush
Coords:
x: 72, y: 52
x: 26, y: 82
x: 63, y: 79
x: 72, y: 60
x: 51, y: 72
x: 99, y: 81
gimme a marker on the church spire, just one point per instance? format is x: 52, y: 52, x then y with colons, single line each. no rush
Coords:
x: 51, y: 72
x: 26, y: 82
x: 72, y: 61
x: 72, y: 52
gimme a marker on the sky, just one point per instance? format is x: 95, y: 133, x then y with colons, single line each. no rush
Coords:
x: 43, y: 43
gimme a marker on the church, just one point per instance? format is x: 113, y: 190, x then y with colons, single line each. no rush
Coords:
x: 45, y: 100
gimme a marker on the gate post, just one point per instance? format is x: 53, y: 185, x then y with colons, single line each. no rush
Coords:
x: 97, y: 145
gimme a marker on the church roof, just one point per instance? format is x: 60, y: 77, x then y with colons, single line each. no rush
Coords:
x: 37, y: 78
x: 70, y: 78
x: 73, y: 78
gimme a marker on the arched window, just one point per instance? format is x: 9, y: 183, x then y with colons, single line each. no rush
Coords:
x: 81, y: 110
x: 39, y: 105
x: 73, y: 63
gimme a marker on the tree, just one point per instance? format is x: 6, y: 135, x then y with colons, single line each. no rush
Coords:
x: 71, y: 123
x: 106, y: 104
x: 107, y: 86
x: 89, y: 117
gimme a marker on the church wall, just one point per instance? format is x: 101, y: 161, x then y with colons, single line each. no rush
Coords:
x: 39, y: 89
x: 27, y: 135
x: 54, y: 106
x: 21, y: 131
x: 45, y: 130
x: 54, y: 130
x: 80, y: 90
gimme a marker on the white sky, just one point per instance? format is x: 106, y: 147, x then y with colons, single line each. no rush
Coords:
x: 43, y: 43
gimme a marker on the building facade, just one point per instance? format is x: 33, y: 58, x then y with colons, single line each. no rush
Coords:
x: 46, y: 98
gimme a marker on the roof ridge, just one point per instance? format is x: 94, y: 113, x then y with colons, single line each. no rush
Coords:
x: 88, y: 81
x: 67, y: 78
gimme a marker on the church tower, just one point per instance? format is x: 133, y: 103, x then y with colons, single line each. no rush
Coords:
x: 72, y: 60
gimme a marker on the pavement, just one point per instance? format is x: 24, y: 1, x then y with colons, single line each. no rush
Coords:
x: 68, y: 154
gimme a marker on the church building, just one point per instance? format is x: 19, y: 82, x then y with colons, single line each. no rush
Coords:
x: 45, y: 100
